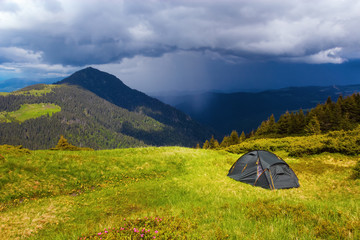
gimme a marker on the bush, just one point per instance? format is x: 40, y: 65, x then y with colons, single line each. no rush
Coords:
x: 356, y: 171
x: 64, y: 145
x: 13, y: 150
x: 345, y: 142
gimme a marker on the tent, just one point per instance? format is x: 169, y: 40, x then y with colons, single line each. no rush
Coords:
x: 263, y: 169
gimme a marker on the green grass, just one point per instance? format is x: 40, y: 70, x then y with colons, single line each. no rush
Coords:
x: 29, y: 111
x: 36, y: 91
x: 68, y: 195
x: 345, y: 142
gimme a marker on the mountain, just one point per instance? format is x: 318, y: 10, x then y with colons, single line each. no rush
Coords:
x: 244, y: 111
x: 117, y: 117
x: 112, y: 89
x: 14, y: 84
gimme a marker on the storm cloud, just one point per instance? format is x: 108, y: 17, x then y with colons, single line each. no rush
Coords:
x: 58, y: 36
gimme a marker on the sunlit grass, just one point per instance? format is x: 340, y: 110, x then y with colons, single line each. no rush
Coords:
x: 38, y: 91
x: 72, y: 195
x: 30, y: 111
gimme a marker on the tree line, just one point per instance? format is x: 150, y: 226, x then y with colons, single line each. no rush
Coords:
x: 227, y: 141
x: 344, y: 114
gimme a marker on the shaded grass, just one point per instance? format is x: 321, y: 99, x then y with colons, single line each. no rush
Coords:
x: 85, y: 192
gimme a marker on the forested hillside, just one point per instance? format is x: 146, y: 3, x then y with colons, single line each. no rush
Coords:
x: 112, y: 89
x: 244, y: 111
x: 344, y: 114
x: 338, y: 122
x: 85, y: 119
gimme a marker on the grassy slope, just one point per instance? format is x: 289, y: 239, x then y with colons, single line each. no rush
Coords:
x: 63, y: 195
x: 29, y: 111
x: 40, y: 90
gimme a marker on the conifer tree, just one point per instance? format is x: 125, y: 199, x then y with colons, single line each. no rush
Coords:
x: 242, y: 137
x: 346, y: 123
x: 272, y: 124
x: 313, y: 127
x: 263, y: 129
x: 64, y: 145
x: 225, y: 142
x: 301, y: 121
x: 283, y: 125
x: 252, y: 133
x: 234, y: 138
x: 328, y: 101
x: 213, y: 144
x: 206, y: 144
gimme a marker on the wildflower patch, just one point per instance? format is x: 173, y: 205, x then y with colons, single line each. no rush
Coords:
x: 145, y: 228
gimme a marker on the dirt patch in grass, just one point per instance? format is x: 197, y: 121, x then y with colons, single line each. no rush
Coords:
x: 23, y: 224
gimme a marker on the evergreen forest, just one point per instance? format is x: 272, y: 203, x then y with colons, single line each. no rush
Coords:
x: 86, y: 120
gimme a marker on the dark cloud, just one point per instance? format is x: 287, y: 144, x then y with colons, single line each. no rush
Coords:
x: 86, y: 32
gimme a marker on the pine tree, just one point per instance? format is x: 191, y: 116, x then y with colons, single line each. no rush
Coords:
x: 272, y: 124
x: 292, y: 123
x: 225, y: 142
x: 206, y: 144
x: 263, y: 129
x: 252, y: 133
x: 64, y: 145
x: 213, y: 144
x: 301, y: 121
x: 242, y: 137
x: 234, y: 138
x: 328, y: 101
x: 267, y: 127
x: 283, y: 125
x: 313, y: 127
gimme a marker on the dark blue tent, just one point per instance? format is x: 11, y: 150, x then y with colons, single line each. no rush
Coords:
x: 263, y: 169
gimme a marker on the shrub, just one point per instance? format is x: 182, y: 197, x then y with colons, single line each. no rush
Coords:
x: 64, y: 145
x: 356, y: 171
x: 345, y: 142
x: 13, y: 150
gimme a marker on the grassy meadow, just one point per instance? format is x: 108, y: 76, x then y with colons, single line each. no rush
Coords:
x: 29, y: 111
x: 40, y: 90
x: 170, y: 192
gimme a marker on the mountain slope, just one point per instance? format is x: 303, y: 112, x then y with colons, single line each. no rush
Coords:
x: 112, y: 89
x: 244, y: 111
x: 85, y: 119
x: 88, y: 120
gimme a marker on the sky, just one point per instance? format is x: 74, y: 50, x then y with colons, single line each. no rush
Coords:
x: 183, y: 45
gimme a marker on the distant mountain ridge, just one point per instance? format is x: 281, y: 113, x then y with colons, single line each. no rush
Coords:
x: 14, y: 84
x: 244, y: 111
